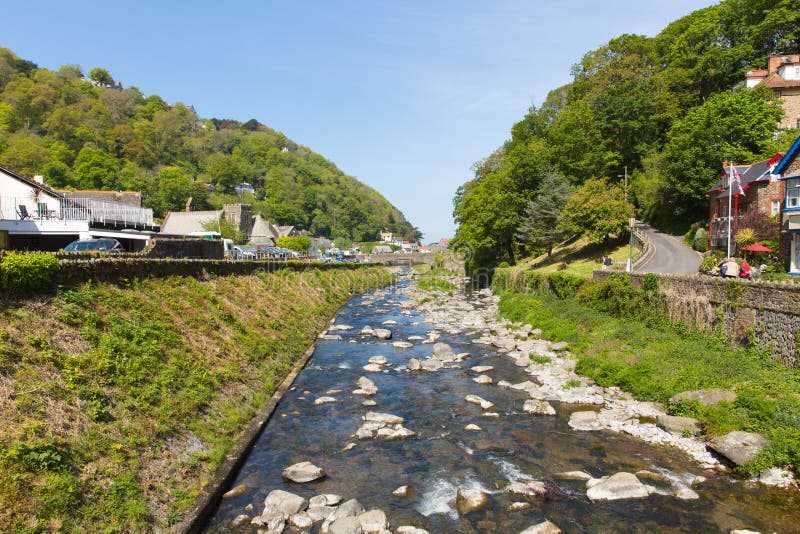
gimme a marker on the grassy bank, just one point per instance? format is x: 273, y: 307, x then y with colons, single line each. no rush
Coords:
x: 119, y: 402
x: 622, y: 339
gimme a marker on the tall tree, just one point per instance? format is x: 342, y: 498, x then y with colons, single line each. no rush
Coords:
x: 539, y: 227
x: 596, y: 210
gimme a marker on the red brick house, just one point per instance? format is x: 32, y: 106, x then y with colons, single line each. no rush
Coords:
x: 763, y: 192
x: 782, y: 75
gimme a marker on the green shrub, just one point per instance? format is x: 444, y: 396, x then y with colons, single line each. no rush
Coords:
x: 688, y: 237
x: 27, y: 272
x: 503, y: 265
x: 565, y: 285
x: 700, y: 242
x: 710, y: 264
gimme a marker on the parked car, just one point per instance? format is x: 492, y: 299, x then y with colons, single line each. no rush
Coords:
x: 104, y: 244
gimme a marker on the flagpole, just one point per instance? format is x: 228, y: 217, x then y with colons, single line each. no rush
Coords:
x: 730, y: 194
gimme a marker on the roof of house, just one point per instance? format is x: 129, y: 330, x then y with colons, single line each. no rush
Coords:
x: 263, y: 232
x: 186, y: 222
x: 776, y: 81
x: 284, y: 231
x: 29, y: 181
x: 788, y: 158
x: 750, y: 174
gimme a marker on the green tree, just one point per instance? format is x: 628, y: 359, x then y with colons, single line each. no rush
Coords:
x: 300, y: 243
x: 596, y: 210
x: 224, y: 171
x: 173, y: 189
x: 101, y: 76
x: 735, y: 126
x: 96, y: 169
x: 540, y: 225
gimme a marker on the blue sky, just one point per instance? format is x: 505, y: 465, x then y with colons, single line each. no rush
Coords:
x: 404, y: 95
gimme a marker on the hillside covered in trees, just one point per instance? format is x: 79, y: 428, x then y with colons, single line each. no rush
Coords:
x: 665, y: 108
x: 94, y: 134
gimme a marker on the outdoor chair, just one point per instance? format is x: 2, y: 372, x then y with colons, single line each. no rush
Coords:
x: 22, y: 211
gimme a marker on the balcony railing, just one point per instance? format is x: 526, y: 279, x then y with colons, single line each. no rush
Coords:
x: 75, y: 209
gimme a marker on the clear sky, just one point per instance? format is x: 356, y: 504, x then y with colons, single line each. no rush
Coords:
x: 404, y: 95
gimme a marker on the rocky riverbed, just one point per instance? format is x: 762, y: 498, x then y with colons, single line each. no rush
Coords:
x: 439, y: 417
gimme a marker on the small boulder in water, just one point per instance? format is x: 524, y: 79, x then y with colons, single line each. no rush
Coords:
x: 469, y: 500
x: 545, y: 527
x: 303, y: 472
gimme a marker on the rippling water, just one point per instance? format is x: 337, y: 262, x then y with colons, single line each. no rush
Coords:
x: 517, y: 447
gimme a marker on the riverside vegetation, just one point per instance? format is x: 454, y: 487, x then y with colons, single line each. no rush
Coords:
x: 622, y: 338
x: 119, y: 401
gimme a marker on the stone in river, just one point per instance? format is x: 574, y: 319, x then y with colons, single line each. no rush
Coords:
x: 342, y: 327
x: 686, y: 494
x: 482, y: 368
x: 303, y: 472
x: 385, y: 418
x: 324, y: 499
x: 545, y: 527
x: 323, y: 400
x: 367, y: 331
x: 443, y: 352
x: 408, y: 529
x: 538, y: 407
x: 516, y: 506
x: 583, y: 420
x: 379, y: 360
x: 431, y: 364
x: 737, y: 446
x: 482, y: 379
x: 473, y: 427
x: 618, y: 486
x: 402, y: 345
x: 382, y: 333
x: 532, y: 488
x: 468, y: 500
x: 343, y: 525
x: 285, y: 502
x: 483, y: 403
x: 402, y: 491
x: 369, y: 402
x: 301, y: 521
x: 351, y: 508
x: 373, y: 368
x: 413, y: 365
x: 373, y: 522
x: 241, y: 518
x: 235, y: 492
x: 389, y: 322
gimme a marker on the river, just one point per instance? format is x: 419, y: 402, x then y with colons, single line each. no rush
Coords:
x: 444, y: 456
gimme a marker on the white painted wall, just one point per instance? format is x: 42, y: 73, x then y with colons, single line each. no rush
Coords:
x: 790, y: 71
x: 13, y: 193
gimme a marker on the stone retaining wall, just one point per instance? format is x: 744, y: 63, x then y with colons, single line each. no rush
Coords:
x: 765, y: 312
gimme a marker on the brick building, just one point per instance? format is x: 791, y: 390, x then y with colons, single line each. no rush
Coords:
x: 763, y: 192
x: 788, y: 173
x: 782, y: 75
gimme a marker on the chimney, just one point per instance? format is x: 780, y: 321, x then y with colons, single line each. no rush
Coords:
x: 773, y: 64
x: 39, y: 179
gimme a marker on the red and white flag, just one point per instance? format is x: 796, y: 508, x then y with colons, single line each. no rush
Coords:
x: 736, y: 182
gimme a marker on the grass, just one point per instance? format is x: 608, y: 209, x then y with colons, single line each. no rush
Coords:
x: 653, y: 360
x: 435, y: 283
x: 581, y: 258
x: 122, y: 401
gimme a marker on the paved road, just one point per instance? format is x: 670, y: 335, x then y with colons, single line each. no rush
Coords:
x: 671, y: 255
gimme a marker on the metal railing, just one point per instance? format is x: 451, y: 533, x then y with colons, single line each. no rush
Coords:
x: 74, y: 209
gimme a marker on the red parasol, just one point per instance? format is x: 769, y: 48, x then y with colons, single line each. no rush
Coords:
x: 758, y: 247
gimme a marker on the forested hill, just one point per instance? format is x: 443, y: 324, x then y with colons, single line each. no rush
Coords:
x: 91, y: 133
x: 663, y: 107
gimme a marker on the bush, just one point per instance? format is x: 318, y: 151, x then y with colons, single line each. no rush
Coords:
x: 27, y: 272
x: 710, y: 264
x: 564, y: 285
x: 700, y: 242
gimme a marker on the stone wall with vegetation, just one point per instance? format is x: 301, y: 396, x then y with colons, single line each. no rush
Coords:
x: 766, y: 314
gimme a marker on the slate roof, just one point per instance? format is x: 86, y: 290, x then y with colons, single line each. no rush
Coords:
x: 186, y: 222
x: 755, y: 172
x: 790, y: 155
x: 31, y: 182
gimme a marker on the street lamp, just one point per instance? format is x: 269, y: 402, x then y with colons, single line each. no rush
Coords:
x: 631, y: 224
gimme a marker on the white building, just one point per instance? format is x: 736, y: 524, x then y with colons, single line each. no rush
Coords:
x: 33, y: 216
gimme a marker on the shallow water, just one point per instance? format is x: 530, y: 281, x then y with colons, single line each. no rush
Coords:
x: 443, y: 456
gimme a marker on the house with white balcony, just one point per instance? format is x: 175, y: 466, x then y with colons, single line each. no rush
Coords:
x: 34, y: 216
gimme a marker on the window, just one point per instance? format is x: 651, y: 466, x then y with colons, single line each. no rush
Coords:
x: 793, y: 193
x: 775, y: 207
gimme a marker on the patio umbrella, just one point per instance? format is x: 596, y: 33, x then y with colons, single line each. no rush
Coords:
x: 758, y: 247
